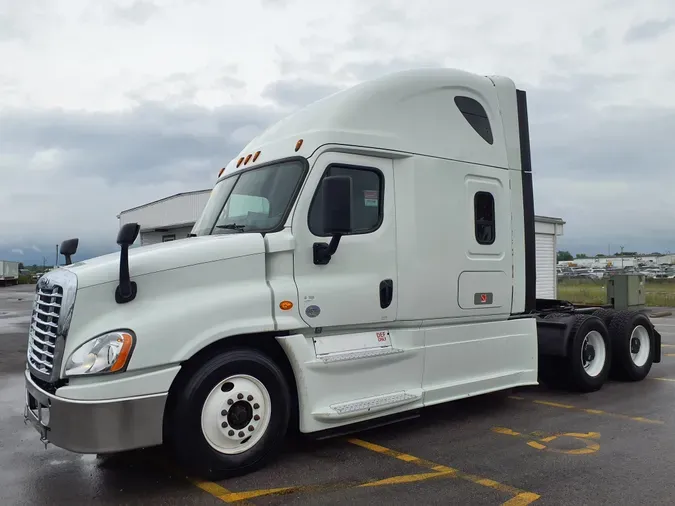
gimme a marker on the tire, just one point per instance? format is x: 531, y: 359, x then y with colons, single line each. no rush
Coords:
x: 632, y: 336
x: 590, y: 354
x: 606, y: 315
x: 224, y: 390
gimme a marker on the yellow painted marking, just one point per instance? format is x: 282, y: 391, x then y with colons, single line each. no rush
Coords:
x: 214, y: 489
x: 505, y: 431
x: 663, y: 379
x: 584, y: 437
x: 250, y: 494
x: 601, y: 412
x: 517, y: 398
x: 520, y: 497
x: 536, y: 445
x: 668, y: 345
x: 409, y: 478
x: 554, y: 404
x: 669, y: 354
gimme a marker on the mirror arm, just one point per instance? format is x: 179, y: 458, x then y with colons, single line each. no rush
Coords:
x: 334, y: 243
x: 68, y: 260
x: 323, y: 252
x: 127, y: 289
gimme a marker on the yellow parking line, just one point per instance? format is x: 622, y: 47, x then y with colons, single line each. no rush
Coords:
x: 215, y: 490
x: 592, y: 411
x: 520, y: 497
x: 663, y: 379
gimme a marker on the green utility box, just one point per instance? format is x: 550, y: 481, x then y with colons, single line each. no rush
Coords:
x: 626, y: 291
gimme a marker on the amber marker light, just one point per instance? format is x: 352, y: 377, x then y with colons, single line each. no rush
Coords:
x: 126, y: 340
x: 285, y: 305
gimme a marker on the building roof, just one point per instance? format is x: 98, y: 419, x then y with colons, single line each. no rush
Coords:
x: 175, y: 195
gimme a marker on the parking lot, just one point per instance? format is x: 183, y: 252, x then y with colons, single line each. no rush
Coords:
x: 615, y: 446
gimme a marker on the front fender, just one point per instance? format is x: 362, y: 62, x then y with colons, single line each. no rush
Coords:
x: 178, y: 312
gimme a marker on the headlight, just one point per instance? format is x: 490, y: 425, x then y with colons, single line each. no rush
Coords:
x: 103, y: 354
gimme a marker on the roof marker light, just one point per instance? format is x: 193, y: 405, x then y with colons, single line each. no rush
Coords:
x: 248, y: 157
x: 298, y: 144
x: 239, y: 162
x: 255, y: 157
x: 220, y: 173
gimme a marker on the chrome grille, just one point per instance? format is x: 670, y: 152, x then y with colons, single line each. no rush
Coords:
x: 44, y: 326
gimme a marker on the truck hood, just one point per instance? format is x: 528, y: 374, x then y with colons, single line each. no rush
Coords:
x: 166, y: 256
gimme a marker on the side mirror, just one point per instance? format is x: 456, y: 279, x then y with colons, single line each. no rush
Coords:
x: 69, y: 248
x: 128, y: 234
x: 337, y: 215
x: 126, y: 289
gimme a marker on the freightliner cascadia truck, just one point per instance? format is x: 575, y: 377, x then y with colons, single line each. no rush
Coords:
x: 369, y: 255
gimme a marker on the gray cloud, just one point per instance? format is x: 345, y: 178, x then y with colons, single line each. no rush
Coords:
x: 138, y: 145
x: 294, y: 93
x: 139, y: 12
x: 18, y: 17
x: 648, y: 30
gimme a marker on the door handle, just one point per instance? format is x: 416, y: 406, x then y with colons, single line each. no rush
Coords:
x: 386, y: 292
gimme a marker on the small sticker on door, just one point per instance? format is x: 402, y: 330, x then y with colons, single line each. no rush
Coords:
x: 313, y: 311
x: 371, y: 198
x: 480, y: 299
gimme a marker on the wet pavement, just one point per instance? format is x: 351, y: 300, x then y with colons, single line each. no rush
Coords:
x: 529, y: 446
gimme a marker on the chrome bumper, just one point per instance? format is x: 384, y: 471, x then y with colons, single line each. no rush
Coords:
x: 94, y: 426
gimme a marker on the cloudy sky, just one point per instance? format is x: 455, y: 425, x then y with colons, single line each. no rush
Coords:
x: 110, y: 104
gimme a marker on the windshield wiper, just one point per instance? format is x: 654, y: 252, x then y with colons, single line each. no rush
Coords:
x: 232, y: 226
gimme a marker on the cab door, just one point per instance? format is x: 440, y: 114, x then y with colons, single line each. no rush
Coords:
x: 358, y: 286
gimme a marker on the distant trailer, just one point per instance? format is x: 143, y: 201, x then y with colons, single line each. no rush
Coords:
x: 9, y: 273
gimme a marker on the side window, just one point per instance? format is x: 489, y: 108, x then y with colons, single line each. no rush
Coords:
x: 484, y: 216
x: 367, y: 193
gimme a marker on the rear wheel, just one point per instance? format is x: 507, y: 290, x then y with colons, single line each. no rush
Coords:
x: 633, y: 339
x: 606, y: 315
x: 590, y: 353
x: 231, y: 416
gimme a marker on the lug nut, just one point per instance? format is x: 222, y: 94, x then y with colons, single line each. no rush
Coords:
x: 249, y: 398
x: 223, y: 413
x: 223, y: 425
x: 241, y: 434
x: 256, y: 418
x: 230, y: 433
x: 256, y: 406
x: 250, y: 428
x: 240, y: 396
x: 230, y: 402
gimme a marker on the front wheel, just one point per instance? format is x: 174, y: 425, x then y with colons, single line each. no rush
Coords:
x: 231, y: 416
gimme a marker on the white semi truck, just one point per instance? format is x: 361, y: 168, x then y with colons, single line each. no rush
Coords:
x: 367, y: 256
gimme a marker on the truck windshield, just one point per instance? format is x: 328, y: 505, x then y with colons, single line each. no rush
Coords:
x: 252, y: 201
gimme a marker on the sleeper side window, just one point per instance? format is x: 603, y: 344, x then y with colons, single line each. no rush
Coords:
x: 367, y: 193
x: 484, y: 216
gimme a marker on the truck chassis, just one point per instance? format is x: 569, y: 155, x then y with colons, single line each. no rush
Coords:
x: 580, y: 347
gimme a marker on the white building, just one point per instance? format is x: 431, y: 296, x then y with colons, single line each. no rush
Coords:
x: 172, y: 218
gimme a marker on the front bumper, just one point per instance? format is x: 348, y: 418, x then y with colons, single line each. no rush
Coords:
x: 95, y: 426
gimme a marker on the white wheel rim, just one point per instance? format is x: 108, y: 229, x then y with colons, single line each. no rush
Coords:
x: 234, y: 420
x: 639, y: 346
x: 593, y: 353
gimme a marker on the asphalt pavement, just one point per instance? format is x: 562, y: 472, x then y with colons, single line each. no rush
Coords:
x: 528, y: 446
